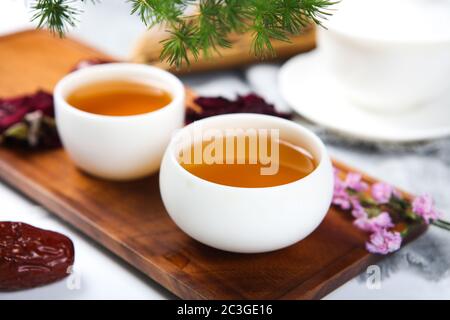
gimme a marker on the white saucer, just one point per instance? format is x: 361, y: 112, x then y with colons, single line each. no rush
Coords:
x: 312, y: 91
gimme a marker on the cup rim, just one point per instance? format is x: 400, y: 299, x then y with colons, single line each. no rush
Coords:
x: 177, y: 96
x: 323, y: 154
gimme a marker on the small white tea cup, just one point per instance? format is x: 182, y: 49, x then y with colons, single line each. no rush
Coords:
x: 389, y: 55
x: 247, y: 220
x: 118, y: 147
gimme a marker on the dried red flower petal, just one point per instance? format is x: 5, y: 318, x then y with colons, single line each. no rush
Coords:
x: 42, y: 101
x: 31, y: 257
x: 28, y: 120
x: 212, y: 106
x: 13, y: 110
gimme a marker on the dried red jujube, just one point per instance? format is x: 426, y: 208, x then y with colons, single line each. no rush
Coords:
x: 31, y: 257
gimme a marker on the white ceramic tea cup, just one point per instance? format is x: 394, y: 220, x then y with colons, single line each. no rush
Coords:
x: 118, y: 147
x: 389, y: 55
x: 246, y: 220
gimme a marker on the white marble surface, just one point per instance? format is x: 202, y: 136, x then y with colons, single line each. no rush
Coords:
x: 100, y: 275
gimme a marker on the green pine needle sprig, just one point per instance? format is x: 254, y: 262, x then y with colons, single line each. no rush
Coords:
x: 203, y: 26
x: 57, y: 15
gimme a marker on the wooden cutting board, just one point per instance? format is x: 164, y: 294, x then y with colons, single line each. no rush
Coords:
x: 129, y: 218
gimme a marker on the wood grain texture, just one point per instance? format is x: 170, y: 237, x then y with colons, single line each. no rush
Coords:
x: 129, y: 219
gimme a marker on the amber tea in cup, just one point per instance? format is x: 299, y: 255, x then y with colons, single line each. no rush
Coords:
x: 118, y: 98
x: 231, y: 168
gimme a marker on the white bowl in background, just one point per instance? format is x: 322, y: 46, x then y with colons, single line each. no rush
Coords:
x: 389, y: 55
x: 118, y: 147
x: 247, y: 220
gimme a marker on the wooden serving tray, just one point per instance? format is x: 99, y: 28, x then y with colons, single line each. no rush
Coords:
x: 129, y: 218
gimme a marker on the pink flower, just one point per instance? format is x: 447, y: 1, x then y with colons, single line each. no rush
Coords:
x: 382, y: 192
x: 341, y: 197
x: 384, y: 242
x: 375, y: 224
x: 358, y: 210
x: 423, y: 206
x: 354, y: 181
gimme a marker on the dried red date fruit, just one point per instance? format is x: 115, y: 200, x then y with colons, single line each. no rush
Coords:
x: 212, y: 106
x: 31, y: 257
